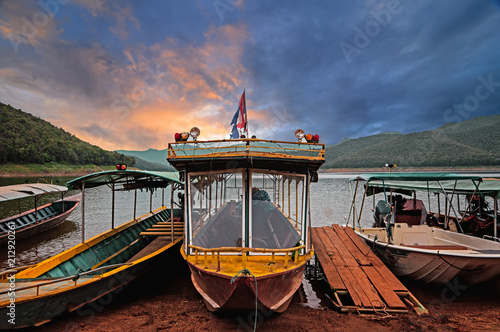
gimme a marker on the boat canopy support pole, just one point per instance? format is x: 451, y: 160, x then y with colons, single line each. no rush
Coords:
x: 163, y: 196
x: 150, y: 200
x: 495, y: 217
x: 352, y: 210
x: 36, y: 207
x: 172, y: 210
x: 135, y: 202
x: 83, y: 211
x: 113, y: 205
x: 361, y: 209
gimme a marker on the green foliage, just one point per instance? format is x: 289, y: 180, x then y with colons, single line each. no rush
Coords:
x: 27, y: 139
x: 469, y: 143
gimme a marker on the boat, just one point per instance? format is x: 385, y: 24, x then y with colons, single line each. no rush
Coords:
x: 99, y: 266
x: 247, y: 221
x: 413, y: 242
x: 28, y: 223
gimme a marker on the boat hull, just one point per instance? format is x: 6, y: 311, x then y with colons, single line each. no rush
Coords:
x: 41, y: 226
x: 436, y: 266
x: 39, y: 310
x: 273, y: 292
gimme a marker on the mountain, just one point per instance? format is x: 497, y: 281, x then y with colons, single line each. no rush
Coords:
x: 156, y: 159
x: 469, y: 143
x: 27, y: 139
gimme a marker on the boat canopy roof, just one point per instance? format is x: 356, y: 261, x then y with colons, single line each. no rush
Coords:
x: 414, y: 176
x: 130, y: 179
x: 18, y: 191
x: 459, y: 184
x: 246, y: 153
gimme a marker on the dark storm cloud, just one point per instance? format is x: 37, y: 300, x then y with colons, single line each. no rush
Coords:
x: 426, y: 58
x: 336, y: 68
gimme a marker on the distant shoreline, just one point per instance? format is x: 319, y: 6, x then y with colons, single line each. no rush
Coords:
x: 49, y: 170
x: 457, y: 169
x: 15, y: 171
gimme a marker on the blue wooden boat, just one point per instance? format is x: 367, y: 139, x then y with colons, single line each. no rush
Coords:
x: 28, y: 223
x: 98, y: 266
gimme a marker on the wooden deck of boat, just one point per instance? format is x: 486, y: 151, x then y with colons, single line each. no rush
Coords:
x: 359, y: 280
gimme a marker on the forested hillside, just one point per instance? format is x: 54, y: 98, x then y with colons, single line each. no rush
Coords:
x: 27, y: 139
x: 474, y: 142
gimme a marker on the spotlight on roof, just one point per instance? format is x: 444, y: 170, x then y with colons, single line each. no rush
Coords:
x: 195, y: 132
x: 299, y: 133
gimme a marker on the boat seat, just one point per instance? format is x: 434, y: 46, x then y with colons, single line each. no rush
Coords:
x: 438, y: 247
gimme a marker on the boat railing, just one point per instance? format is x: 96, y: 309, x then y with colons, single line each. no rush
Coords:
x: 243, y: 250
x: 238, y: 147
x: 73, y: 277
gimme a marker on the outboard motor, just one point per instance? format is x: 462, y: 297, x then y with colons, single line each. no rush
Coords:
x: 382, y: 210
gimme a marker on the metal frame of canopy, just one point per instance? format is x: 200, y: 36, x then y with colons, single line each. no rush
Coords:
x: 446, y: 183
x: 129, y: 180
x: 37, y: 190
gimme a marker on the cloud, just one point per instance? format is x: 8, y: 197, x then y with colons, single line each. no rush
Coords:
x: 128, y: 75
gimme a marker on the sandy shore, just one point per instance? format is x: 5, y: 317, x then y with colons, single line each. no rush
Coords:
x: 167, y: 301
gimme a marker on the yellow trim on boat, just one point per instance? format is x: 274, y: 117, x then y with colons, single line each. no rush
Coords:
x: 52, y: 262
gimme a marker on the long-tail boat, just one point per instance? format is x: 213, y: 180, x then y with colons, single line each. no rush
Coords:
x: 33, y: 295
x: 246, y: 233
x: 40, y: 218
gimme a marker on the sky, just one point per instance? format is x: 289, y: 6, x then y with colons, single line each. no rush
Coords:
x: 130, y: 74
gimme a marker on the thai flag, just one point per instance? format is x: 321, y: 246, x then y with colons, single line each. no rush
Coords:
x: 239, y: 123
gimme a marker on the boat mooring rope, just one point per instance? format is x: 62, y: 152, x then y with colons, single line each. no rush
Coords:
x: 236, y: 277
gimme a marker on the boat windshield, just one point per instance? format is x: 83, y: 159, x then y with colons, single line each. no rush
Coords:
x: 216, y: 209
x: 277, y: 210
x: 245, y: 208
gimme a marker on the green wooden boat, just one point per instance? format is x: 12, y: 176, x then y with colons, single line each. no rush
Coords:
x: 33, y: 295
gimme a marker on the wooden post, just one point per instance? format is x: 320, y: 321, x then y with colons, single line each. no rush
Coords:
x: 286, y: 260
x: 83, y: 211
x: 244, y: 259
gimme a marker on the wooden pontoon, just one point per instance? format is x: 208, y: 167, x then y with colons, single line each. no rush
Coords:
x: 360, y: 282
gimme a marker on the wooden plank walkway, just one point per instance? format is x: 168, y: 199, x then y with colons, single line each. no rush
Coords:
x: 358, y: 278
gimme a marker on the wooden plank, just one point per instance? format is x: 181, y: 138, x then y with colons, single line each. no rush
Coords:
x: 366, y: 287
x: 362, y: 246
x: 332, y: 252
x: 355, y: 291
x: 329, y: 269
x: 383, y: 288
x: 382, y: 269
x: 353, y: 249
x: 341, y: 248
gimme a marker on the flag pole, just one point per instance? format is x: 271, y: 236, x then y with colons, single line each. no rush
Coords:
x: 246, y: 121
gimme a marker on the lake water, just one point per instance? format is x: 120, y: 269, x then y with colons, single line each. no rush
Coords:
x: 330, y: 204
